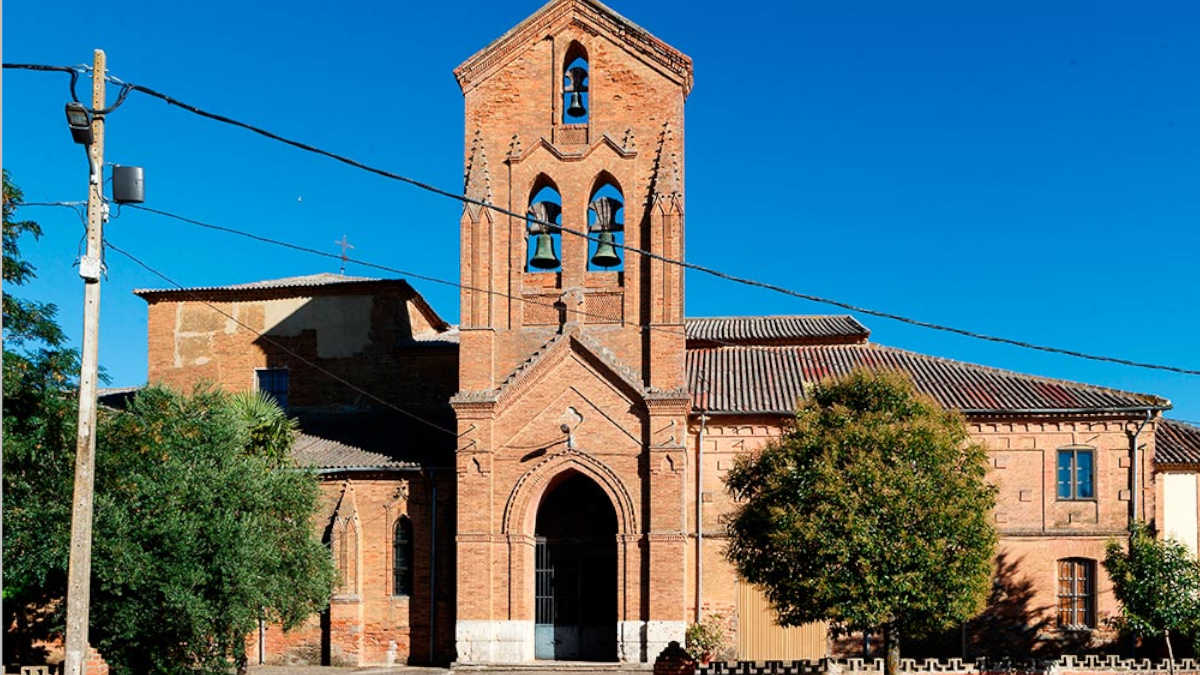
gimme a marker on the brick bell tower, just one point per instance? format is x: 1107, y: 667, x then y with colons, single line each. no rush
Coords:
x: 572, y: 409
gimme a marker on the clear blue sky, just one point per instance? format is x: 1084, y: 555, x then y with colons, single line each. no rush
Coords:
x: 1027, y: 169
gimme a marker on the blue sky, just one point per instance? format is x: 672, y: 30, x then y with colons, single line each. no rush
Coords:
x: 1026, y: 169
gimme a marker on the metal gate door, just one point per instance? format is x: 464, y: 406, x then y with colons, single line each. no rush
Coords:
x: 543, y: 602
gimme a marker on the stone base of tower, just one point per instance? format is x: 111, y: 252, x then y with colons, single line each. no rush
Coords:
x: 482, y: 642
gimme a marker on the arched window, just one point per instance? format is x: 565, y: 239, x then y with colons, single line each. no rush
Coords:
x: 545, y: 206
x: 576, y: 103
x: 402, y: 557
x: 1076, y: 593
x: 347, y: 558
x: 606, y: 224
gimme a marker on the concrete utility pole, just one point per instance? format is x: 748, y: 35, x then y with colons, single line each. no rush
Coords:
x: 80, y: 571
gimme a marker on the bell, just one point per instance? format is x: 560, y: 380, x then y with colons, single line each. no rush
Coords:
x: 543, y: 253
x: 575, y: 106
x: 606, y: 253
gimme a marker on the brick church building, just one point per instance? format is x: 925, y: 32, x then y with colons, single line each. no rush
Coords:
x: 543, y: 480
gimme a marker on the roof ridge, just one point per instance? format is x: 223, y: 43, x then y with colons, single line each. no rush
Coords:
x: 1180, y: 423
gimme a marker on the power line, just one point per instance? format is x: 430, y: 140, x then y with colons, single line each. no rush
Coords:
x: 633, y: 249
x: 108, y: 243
x: 298, y: 247
x: 378, y: 266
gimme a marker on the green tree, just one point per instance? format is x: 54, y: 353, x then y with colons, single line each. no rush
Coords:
x: 871, y: 512
x: 39, y: 373
x: 1158, y: 584
x: 202, y: 523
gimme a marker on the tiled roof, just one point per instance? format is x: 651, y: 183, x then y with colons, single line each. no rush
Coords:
x: 372, y: 440
x: 1176, y: 443
x: 772, y: 379
x: 775, y: 330
x: 325, y: 453
x: 320, y: 279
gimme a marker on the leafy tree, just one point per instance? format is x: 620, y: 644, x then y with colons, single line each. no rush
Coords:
x: 39, y: 433
x: 871, y: 512
x: 202, y: 524
x: 1158, y: 584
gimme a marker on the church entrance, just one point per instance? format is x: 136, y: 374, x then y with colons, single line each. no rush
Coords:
x: 575, y: 582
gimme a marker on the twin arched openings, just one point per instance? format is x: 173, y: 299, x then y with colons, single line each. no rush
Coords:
x: 605, y: 225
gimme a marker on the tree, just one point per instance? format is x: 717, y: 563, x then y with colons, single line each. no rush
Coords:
x: 871, y: 512
x: 39, y: 434
x: 202, y: 523
x: 1158, y: 584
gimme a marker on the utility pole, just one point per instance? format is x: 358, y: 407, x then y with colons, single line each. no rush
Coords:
x: 80, y: 571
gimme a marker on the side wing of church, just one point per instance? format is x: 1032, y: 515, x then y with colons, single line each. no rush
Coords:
x: 560, y: 495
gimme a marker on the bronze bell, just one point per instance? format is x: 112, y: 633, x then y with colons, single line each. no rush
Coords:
x: 606, y: 253
x: 544, y: 256
x: 575, y: 86
x: 575, y: 105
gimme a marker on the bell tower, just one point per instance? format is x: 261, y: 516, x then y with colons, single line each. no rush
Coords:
x: 571, y: 344
x: 573, y: 117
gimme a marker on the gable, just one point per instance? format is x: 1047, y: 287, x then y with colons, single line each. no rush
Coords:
x: 594, y: 17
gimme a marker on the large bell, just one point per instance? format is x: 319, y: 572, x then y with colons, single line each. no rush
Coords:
x: 544, y: 256
x: 606, y: 253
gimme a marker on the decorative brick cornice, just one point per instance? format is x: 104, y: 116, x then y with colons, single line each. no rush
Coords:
x: 590, y: 16
x: 622, y: 150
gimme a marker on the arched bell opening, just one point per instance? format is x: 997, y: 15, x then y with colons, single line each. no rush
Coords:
x: 575, y: 574
x: 576, y: 102
x: 542, y: 222
x: 606, y: 225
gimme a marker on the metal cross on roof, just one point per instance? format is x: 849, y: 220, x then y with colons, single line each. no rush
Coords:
x: 344, y: 244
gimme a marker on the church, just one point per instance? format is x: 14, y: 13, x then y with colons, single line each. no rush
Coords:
x: 543, y: 480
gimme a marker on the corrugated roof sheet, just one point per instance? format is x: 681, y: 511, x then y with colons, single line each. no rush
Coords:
x: 320, y: 279
x: 797, y: 329
x: 772, y: 380
x: 1176, y: 443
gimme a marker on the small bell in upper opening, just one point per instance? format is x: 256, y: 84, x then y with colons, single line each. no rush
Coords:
x: 576, y: 85
x: 606, y: 253
x: 544, y: 256
x: 575, y: 105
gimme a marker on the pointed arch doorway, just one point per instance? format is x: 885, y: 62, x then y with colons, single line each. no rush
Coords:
x: 575, y: 578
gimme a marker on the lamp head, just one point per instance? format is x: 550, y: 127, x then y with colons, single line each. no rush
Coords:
x: 80, y: 122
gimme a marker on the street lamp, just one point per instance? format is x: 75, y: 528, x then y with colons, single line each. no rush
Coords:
x: 80, y: 122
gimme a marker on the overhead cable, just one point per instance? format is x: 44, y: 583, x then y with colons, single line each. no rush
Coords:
x: 649, y: 254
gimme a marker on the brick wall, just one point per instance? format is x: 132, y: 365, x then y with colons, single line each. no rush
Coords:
x: 368, y: 623
x: 363, y: 333
x: 1035, y: 528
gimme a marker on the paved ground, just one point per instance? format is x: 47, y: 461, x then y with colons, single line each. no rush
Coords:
x: 335, y: 670
x: 571, y: 668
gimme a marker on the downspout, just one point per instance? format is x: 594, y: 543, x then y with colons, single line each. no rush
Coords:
x: 432, y: 566
x: 699, y: 513
x: 1136, y: 487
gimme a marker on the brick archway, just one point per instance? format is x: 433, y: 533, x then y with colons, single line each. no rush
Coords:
x: 520, y: 511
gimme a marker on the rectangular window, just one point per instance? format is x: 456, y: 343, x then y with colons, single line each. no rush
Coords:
x: 274, y: 383
x: 1075, y: 589
x: 1076, y: 474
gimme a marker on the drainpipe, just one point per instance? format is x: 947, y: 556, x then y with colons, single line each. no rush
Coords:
x: 432, y: 566
x: 1134, y: 466
x: 699, y: 513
